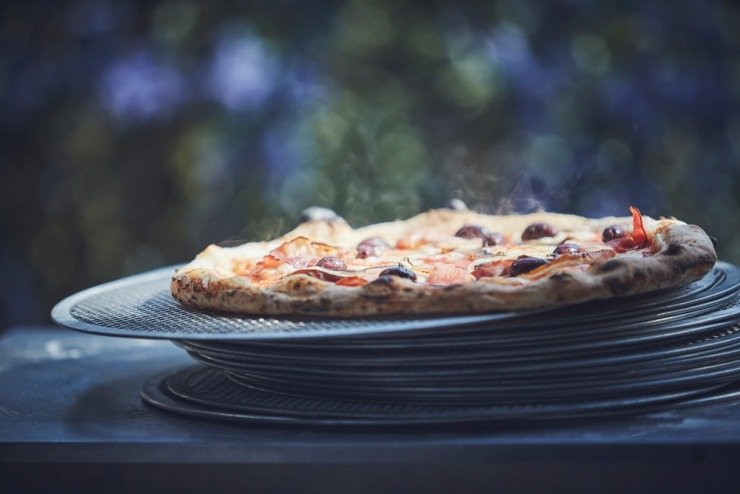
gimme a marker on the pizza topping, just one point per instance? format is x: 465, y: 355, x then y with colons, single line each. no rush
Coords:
x: 300, y: 251
x: 268, y: 268
x: 351, y: 281
x: 317, y: 273
x: 449, y: 274
x: 601, y: 254
x: 525, y: 264
x: 331, y: 262
x: 492, y: 268
x: 621, y: 245
x: 612, y: 232
x: 454, y: 258
x: 472, y: 231
x: 410, y: 241
x: 268, y: 262
x: 636, y: 240
x: 401, y: 271
x: 371, y: 247
x: 332, y: 275
x: 568, y: 248
x: 639, y: 235
x: 297, y: 253
x: 539, y: 230
x: 491, y: 239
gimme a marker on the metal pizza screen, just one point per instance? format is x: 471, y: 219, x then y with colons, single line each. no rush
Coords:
x: 151, y: 309
x: 141, y: 306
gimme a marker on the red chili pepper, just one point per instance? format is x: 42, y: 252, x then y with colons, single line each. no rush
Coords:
x: 635, y: 240
x: 639, y: 235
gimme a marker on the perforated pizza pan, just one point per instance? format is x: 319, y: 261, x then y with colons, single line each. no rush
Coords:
x: 492, y: 347
x: 708, y: 365
x: 378, y: 365
x: 713, y: 370
x: 141, y: 307
x: 208, y: 393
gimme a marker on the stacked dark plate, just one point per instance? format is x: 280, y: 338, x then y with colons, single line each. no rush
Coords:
x: 631, y: 355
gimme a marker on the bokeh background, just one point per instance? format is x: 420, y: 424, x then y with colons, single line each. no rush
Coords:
x: 135, y: 133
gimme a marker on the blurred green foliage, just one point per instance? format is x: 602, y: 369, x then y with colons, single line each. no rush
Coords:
x: 134, y: 133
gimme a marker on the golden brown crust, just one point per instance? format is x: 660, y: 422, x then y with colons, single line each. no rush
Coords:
x: 680, y: 254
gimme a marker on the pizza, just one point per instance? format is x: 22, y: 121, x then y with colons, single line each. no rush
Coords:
x: 445, y: 261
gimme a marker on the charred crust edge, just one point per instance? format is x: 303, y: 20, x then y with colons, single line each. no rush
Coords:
x: 611, y: 265
x: 616, y: 285
x: 673, y: 249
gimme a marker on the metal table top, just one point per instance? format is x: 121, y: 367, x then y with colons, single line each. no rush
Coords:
x: 70, y: 413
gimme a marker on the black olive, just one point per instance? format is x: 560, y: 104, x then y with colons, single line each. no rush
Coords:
x: 400, y: 271
x: 316, y: 213
x: 494, y: 238
x: 472, y: 231
x: 539, y: 230
x: 524, y: 264
x: 371, y: 246
x: 568, y: 248
x: 333, y: 263
x: 612, y: 232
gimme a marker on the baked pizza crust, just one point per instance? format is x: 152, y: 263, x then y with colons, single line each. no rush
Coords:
x: 680, y: 254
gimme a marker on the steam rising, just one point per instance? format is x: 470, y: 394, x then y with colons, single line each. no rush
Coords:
x: 494, y: 195
x: 261, y: 229
x: 521, y: 199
